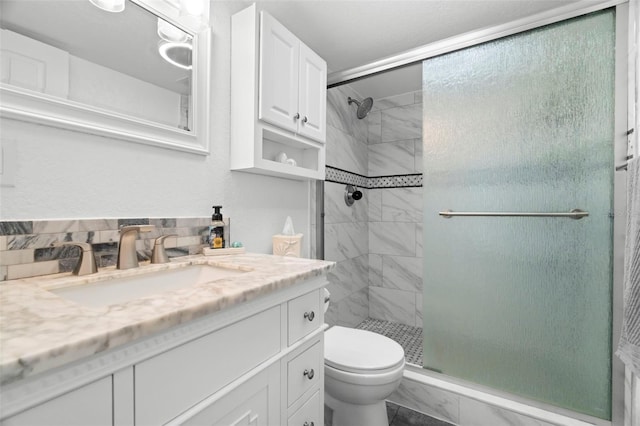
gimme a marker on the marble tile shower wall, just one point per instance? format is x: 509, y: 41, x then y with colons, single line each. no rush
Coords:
x: 25, y: 246
x: 346, y: 228
x: 347, y: 147
x: 395, y: 214
x: 346, y: 242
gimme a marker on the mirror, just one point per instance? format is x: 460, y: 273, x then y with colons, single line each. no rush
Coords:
x: 132, y: 74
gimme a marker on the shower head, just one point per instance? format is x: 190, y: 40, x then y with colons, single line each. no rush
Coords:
x: 364, y: 106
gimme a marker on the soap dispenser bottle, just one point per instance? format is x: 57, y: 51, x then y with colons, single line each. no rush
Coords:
x: 216, y: 230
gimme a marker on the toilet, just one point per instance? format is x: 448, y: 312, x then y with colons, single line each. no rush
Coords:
x: 361, y: 369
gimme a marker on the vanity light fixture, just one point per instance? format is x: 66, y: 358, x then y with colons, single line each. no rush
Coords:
x: 170, y: 32
x: 109, y: 5
x: 177, y: 54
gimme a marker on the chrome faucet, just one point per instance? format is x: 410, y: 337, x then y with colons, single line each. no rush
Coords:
x: 127, y: 255
x: 87, y: 263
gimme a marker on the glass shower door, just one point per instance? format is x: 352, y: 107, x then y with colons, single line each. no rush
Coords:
x: 522, y: 124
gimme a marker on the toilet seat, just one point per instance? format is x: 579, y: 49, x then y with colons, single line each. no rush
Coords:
x: 361, y: 352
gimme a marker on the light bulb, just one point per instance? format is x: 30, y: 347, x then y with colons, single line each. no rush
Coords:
x: 177, y: 54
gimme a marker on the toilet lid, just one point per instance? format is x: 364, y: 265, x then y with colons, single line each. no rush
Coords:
x: 354, y: 350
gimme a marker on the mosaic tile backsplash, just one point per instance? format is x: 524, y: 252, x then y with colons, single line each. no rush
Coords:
x: 25, y: 246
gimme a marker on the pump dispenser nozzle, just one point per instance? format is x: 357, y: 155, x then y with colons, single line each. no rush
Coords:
x: 216, y: 214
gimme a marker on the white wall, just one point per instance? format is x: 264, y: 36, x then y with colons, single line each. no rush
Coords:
x: 62, y: 174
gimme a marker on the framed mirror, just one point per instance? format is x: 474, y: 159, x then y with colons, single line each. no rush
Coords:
x: 140, y: 74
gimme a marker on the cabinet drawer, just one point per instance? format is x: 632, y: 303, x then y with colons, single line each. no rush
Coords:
x: 304, y: 372
x: 309, y: 414
x: 169, y: 383
x: 304, y: 316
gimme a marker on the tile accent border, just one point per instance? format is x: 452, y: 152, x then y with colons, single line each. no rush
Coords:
x: 26, y: 251
x: 398, y: 181
x: 336, y: 175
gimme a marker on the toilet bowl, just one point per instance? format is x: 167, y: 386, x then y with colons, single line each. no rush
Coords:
x: 361, y: 369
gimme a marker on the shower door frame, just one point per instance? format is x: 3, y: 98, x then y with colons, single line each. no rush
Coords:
x: 623, y: 87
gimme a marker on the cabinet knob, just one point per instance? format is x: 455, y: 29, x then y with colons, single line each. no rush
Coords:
x: 308, y: 424
x: 304, y: 120
x: 309, y: 373
x: 297, y: 116
x: 310, y: 315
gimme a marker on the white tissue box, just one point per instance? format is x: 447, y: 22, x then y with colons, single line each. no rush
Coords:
x: 287, y: 245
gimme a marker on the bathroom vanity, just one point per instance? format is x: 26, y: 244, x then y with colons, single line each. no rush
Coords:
x: 242, y: 349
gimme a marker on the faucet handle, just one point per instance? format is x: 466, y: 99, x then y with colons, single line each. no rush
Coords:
x: 87, y: 263
x: 159, y: 254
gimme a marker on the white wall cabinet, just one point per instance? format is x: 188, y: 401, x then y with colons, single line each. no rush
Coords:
x: 256, y: 364
x: 293, y: 81
x: 278, y: 99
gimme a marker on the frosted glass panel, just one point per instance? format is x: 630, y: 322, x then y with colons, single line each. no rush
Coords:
x: 522, y: 124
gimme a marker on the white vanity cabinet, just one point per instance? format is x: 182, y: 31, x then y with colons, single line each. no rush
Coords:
x: 255, y: 363
x: 278, y: 99
x: 91, y: 404
x: 254, y: 403
x: 170, y: 382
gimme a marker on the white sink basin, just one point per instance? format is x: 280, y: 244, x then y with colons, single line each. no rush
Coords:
x: 109, y: 292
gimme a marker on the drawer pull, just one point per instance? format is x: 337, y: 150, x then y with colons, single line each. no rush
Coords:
x: 309, y: 373
x: 308, y: 424
x: 310, y: 315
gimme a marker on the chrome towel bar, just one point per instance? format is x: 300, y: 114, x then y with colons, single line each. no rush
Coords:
x: 573, y: 214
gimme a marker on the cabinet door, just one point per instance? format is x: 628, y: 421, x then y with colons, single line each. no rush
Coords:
x: 88, y: 405
x: 279, y: 55
x: 254, y: 403
x: 313, y: 95
x: 171, y: 382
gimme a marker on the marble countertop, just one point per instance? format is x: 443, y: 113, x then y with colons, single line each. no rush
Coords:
x: 40, y: 330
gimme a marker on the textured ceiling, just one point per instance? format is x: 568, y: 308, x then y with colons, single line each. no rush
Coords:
x: 350, y: 33
x: 346, y: 33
